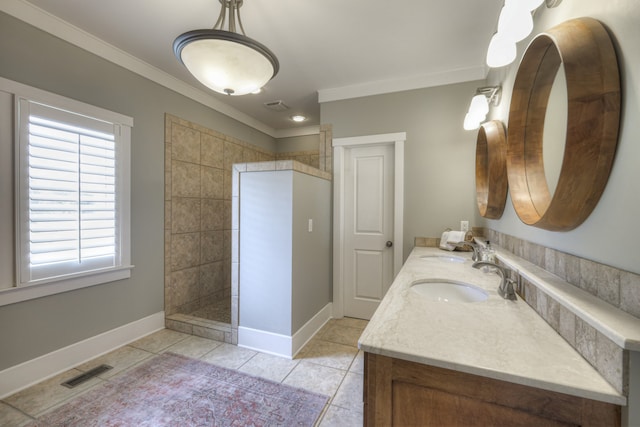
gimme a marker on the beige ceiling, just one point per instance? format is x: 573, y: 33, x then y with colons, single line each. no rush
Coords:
x: 328, y: 49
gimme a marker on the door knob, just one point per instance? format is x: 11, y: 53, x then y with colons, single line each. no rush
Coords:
x: 389, y: 243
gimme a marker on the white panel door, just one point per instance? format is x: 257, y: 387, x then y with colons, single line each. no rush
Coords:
x: 368, y: 222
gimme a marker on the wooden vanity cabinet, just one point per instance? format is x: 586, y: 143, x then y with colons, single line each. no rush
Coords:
x: 402, y: 393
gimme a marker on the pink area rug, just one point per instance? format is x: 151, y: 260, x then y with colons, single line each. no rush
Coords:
x: 173, y: 390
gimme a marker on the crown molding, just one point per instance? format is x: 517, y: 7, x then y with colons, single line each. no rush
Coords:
x: 288, y: 133
x: 398, y: 85
x: 57, y: 27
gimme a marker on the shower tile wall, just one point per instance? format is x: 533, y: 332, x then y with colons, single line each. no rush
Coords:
x: 311, y: 158
x: 198, y: 163
x: 322, y: 158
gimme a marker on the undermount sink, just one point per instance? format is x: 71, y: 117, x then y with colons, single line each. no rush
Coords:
x: 445, y: 290
x: 445, y: 258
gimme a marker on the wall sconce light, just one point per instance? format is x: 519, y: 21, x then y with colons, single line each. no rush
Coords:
x: 514, y: 24
x: 479, y: 107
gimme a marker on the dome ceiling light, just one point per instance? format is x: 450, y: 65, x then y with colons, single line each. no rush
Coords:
x: 225, y: 60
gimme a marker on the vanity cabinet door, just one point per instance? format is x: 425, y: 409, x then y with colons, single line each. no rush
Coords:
x: 401, y: 393
x: 427, y: 407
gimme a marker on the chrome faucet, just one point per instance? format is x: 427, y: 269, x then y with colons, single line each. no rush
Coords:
x: 505, y: 290
x: 474, y: 246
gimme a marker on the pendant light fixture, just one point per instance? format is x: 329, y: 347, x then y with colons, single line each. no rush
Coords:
x: 223, y: 59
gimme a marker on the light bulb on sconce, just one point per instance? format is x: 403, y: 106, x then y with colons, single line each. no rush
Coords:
x: 471, y: 122
x: 477, y: 113
x: 479, y: 106
x: 515, y: 23
x: 501, y: 52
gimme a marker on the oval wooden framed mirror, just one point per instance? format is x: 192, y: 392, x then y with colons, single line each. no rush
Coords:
x: 585, y: 51
x: 491, y: 169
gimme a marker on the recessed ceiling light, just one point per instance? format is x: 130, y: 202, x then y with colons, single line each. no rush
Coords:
x: 257, y: 91
x: 298, y: 118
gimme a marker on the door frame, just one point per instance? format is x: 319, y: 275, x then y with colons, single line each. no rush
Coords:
x: 340, y: 145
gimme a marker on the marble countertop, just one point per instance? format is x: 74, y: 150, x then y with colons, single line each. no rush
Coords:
x: 496, y: 338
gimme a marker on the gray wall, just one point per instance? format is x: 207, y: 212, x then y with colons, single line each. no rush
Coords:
x: 33, y: 328
x: 312, y: 278
x: 439, y: 154
x: 285, y: 270
x: 298, y: 143
x: 611, y: 233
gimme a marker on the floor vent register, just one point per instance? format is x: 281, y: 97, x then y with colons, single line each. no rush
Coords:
x: 86, y: 376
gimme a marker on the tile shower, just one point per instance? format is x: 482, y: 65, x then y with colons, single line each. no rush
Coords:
x: 197, y: 232
x: 198, y: 163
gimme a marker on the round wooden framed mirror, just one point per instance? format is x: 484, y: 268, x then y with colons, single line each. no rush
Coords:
x: 491, y: 169
x: 585, y: 51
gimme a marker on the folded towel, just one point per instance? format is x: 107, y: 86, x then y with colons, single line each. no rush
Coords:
x: 443, y: 241
x: 449, y: 239
x: 456, y: 236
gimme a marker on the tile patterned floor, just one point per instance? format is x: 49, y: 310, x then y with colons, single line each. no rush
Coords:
x: 330, y: 364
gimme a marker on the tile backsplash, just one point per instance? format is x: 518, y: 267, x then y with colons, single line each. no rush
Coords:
x: 617, y: 287
x: 607, y: 283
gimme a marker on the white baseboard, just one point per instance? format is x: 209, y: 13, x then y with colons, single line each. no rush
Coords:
x: 283, y: 345
x: 33, y: 371
x: 309, y: 329
x: 266, y: 342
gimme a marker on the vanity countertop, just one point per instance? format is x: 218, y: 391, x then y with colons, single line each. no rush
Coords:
x: 496, y: 338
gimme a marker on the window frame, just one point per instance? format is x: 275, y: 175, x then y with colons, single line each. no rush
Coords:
x: 28, y: 289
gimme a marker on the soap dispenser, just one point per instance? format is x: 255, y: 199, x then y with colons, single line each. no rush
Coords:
x: 488, y: 254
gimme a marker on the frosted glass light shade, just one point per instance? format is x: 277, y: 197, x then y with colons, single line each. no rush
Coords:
x: 515, y: 22
x: 478, y: 110
x: 479, y: 106
x: 501, y: 52
x: 471, y: 122
x: 226, y: 62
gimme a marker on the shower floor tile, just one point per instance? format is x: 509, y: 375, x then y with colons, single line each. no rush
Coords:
x: 220, y: 311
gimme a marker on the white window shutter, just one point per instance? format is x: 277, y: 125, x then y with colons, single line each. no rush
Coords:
x: 70, y: 208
